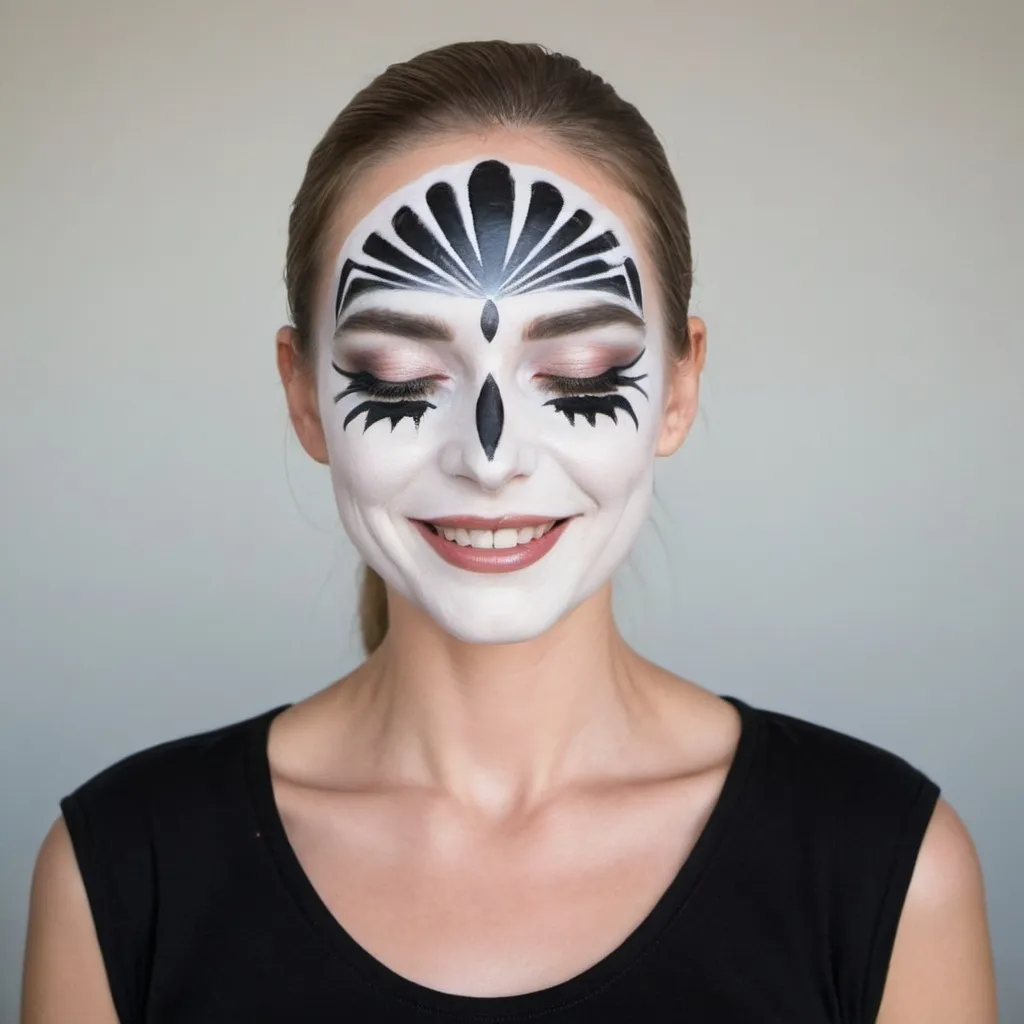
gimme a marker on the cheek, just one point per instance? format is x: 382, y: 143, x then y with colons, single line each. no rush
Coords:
x: 609, y: 461
x: 374, y: 467
x: 370, y: 466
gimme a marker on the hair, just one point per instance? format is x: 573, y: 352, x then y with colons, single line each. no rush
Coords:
x: 468, y: 87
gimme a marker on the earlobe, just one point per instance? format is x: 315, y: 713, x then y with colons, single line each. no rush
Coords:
x: 682, y: 389
x: 299, y: 383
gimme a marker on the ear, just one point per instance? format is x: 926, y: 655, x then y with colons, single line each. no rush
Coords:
x: 682, y: 390
x: 299, y: 382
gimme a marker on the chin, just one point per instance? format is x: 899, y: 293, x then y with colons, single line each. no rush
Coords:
x: 495, y: 617
x: 475, y: 630
x: 479, y: 608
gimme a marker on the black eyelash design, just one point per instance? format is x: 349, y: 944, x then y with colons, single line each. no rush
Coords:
x: 590, y: 406
x: 394, y: 401
x: 590, y: 397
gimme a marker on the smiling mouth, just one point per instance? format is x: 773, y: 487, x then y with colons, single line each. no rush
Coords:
x: 492, y: 545
x: 502, y: 538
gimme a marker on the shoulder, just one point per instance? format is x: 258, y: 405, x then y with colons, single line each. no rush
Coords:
x: 902, y: 878
x: 160, y: 804
x: 858, y: 811
x: 64, y: 976
x: 941, y: 967
x: 853, y: 777
x: 150, y: 763
x: 102, y: 871
x: 162, y: 773
x: 948, y: 861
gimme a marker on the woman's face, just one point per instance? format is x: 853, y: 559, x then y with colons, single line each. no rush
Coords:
x: 492, y: 375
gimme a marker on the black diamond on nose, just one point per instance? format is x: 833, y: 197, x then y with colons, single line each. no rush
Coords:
x: 490, y: 417
x: 489, y: 320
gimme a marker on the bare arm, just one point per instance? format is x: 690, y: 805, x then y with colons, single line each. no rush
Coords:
x: 941, y: 971
x: 64, y: 978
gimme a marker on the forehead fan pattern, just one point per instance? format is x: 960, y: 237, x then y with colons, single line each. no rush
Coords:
x: 489, y: 237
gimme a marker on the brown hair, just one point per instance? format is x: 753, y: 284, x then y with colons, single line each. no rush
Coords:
x: 472, y: 86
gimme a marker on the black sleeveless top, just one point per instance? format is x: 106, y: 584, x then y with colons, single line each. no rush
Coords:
x: 785, y: 910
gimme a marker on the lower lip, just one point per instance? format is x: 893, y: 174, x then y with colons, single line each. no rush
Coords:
x: 492, y: 559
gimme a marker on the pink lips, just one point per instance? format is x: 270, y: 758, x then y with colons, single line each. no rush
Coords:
x: 491, y: 559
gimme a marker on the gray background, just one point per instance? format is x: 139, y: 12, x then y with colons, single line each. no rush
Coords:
x: 840, y: 538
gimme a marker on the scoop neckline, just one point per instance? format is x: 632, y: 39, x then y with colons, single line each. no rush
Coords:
x: 576, y: 989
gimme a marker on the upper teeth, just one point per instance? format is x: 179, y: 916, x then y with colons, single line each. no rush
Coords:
x: 506, y: 538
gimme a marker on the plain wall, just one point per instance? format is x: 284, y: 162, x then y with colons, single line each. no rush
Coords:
x: 840, y: 538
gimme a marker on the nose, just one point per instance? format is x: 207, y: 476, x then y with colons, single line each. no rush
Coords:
x: 490, y: 451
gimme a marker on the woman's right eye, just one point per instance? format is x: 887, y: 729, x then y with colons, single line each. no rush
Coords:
x: 362, y: 382
x: 390, y: 400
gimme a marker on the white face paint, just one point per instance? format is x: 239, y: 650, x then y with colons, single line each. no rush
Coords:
x: 485, y: 356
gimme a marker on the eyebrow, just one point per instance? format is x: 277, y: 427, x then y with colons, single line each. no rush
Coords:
x: 574, y: 321
x: 402, y: 325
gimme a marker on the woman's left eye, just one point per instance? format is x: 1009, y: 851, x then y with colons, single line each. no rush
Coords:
x: 555, y: 384
x: 603, y: 383
x: 590, y: 397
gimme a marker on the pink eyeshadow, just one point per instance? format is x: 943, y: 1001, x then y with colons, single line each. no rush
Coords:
x: 577, y: 362
x: 396, y: 366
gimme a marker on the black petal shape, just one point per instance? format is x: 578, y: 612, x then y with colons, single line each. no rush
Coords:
x: 445, y: 208
x: 411, y: 230
x: 565, y: 237
x: 634, y: 282
x: 545, y: 205
x: 490, y: 417
x: 603, y: 243
x: 492, y: 199
x: 489, y: 320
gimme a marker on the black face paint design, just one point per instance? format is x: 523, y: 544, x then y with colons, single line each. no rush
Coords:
x: 396, y: 402
x: 490, y: 417
x: 489, y: 320
x: 591, y: 396
x: 485, y: 251
x: 589, y: 406
x: 542, y: 257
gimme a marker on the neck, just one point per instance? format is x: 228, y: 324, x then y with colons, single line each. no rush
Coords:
x: 498, y: 726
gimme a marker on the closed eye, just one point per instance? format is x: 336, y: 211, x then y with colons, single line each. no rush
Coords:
x: 553, y: 384
x: 601, y: 384
x: 362, y: 382
x: 388, y: 399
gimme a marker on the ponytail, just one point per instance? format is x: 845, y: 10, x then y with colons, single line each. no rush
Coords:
x: 373, y: 609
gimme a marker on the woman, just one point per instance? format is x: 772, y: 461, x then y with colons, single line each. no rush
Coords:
x: 504, y: 812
